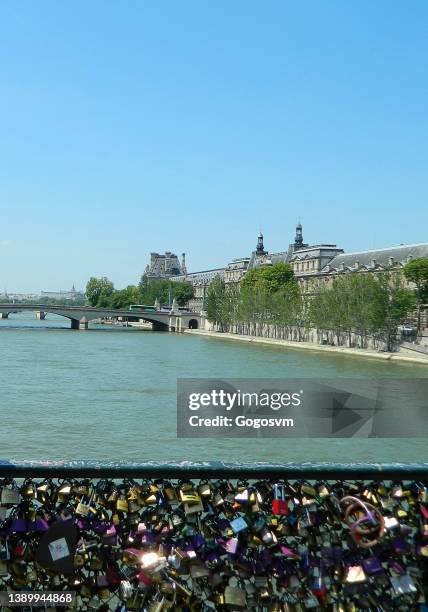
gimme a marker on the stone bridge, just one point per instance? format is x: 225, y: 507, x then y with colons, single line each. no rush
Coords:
x: 80, y: 316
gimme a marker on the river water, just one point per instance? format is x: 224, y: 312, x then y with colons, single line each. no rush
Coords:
x: 110, y: 393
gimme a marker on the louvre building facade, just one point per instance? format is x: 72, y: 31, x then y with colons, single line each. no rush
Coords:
x: 312, y: 264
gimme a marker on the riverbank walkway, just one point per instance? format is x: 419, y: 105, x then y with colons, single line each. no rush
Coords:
x: 406, y: 357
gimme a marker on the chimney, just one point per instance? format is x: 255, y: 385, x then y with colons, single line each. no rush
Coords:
x: 373, y: 263
x: 183, y: 263
x: 390, y: 261
x: 357, y: 264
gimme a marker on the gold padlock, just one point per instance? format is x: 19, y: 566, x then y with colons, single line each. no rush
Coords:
x: 79, y: 560
x: 170, y: 493
x: 308, y: 490
x: 235, y: 596
x: 122, y: 504
x: 204, y: 489
x: 113, y: 496
x: 193, y: 507
x: 84, y: 507
x: 323, y: 491
x: 27, y: 491
x: 190, y: 497
x: 133, y: 493
x: 63, y: 493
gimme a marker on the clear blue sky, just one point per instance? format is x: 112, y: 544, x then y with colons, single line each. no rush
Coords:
x: 130, y: 127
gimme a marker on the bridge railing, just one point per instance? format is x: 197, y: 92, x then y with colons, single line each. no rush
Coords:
x: 216, y: 536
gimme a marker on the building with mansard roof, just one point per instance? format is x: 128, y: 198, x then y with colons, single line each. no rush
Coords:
x: 302, y: 257
x: 311, y: 264
x: 165, y: 266
x: 375, y: 260
x: 200, y: 281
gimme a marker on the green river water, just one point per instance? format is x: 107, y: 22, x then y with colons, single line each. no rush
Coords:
x: 110, y: 393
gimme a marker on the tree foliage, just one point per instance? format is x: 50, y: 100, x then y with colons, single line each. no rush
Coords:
x: 123, y: 298
x: 416, y: 271
x: 182, y: 291
x: 98, y: 290
x: 150, y: 290
x: 215, y: 302
x: 349, y: 310
x: 364, y: 305
x: 164, y: 290
x: 269, y: 278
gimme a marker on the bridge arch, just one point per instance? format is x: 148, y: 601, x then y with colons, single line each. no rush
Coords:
x: 81, y: 316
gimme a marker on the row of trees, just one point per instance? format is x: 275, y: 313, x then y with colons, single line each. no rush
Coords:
x: 351, y: 310
x: 100, y: 292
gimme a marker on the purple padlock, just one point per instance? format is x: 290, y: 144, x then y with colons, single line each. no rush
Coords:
x: 40, y: 524
x: 198, y: 540
x: 287, y: 552
x: 18, y: 526
x: 372, y: 566
x: 99, y: 526
x: 400, y: 546
x: 110, y: 536
x: 232, y: 545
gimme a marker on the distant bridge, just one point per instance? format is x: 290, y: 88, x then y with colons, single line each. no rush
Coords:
x: 80, y: 316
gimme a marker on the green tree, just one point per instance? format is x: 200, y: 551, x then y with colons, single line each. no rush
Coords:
x: 271, y: 278
x: 164, y: 290
x: 328, y: 310
x: 393, y: 306
x: 182, y: 291
x: 215, y: 301
x: 98, y: 289
x: 123, y: 298
x: 152, y: 289
x: 416, y: 271
x: 365, y: 305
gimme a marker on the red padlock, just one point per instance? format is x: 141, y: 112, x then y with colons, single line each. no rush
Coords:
x: 279, y: 502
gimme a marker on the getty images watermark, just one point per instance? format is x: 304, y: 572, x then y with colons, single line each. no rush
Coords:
x: 341, y: 408
x: 233, y: 400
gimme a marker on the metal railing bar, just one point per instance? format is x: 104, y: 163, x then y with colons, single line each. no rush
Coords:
x: 208, y: 469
